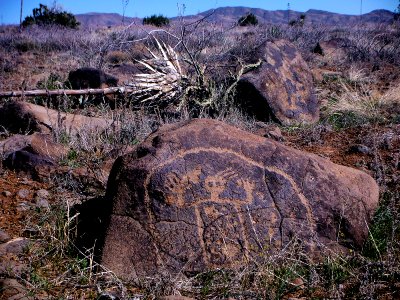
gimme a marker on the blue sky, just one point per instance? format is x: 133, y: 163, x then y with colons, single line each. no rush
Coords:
x: 9, y: 9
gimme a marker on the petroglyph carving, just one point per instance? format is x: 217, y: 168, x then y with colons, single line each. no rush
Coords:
x: 208, y: 195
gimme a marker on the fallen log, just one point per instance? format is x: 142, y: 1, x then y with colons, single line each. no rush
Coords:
x: 161, y: 84
x: 59, y: 92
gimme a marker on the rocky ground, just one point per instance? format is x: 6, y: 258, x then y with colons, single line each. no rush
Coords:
x: 356, y: 79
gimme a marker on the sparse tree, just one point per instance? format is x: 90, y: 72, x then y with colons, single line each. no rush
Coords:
x: 43, y: 16
x: 248, y: 19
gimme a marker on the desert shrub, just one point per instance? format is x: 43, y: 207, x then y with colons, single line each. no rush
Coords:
x: 155, y: 20
x: 248, y: 19
x: 43, y: 16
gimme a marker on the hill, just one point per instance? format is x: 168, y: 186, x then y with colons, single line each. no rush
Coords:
x: 229, y: 15
x: 232, y: 14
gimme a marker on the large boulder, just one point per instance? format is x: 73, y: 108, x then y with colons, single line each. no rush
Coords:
x: 204, y: 194
x: 281, y: 89
x: 23, y: 117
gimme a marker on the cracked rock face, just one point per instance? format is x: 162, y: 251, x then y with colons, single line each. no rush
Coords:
x: 282, y: 88
x: 203, y: 195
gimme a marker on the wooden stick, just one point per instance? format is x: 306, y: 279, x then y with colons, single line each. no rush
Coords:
x: 33, y: 93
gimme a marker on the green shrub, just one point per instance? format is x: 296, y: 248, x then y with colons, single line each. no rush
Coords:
x: 248, y: 19
x: 158, y: 21
x: 43, y: 16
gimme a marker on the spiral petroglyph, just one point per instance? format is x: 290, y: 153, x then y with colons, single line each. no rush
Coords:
x: 206, y: 195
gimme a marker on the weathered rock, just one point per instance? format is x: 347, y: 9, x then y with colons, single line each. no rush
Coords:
x: 35, y: 155
x: 21, y: 117
x: 204, y: 194
x: 41, y: 144
x: 281, y: 89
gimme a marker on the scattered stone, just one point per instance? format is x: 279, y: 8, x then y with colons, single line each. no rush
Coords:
x: 42, y: 193
x: 23, y: 206
x: 7, y: 193
x: 23, y: 193
x: 4, y: 237
x: 202, y: 194
x: 42, y: 203
x: 281, y: 89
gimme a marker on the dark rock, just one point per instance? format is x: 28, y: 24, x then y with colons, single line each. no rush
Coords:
x: 202, y: 194
x: 91, y: 78
x: 7, y: 193
x: 30, y: 164
x: 362, y: 149
x: 281, y: 89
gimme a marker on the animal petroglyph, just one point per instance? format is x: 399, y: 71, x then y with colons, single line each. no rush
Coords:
x: 222, y: 190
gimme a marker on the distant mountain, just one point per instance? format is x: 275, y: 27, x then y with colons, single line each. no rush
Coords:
x: 230, y: 15
x: 104, y: 19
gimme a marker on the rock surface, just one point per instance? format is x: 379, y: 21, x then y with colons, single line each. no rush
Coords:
x: 282, y: 88
x: 204, y: 194
x: 22, y: 117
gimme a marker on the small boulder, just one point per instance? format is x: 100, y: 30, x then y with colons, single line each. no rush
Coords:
x: 34, y: 155
x: 23, y: 193
x: 23, y: 117
x: 281, y: 89
x: 202, y: 194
